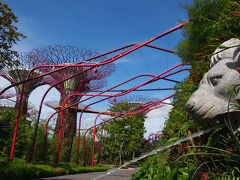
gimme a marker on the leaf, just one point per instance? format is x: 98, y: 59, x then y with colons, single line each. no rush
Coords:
x: 172, y: 139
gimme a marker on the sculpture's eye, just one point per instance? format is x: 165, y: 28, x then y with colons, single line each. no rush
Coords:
x: 216, y: 80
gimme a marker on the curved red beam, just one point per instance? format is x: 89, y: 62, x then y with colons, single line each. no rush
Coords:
x: 116, y: 95
x: 91, y: 67
x: 137, y: 108
x: 63, y: 108
x: 48, y: 73
x: 119, y: 114
x: 100, y: 149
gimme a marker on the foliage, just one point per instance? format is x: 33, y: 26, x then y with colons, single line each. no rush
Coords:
x: 19, y: 169
x: 22, y: 145
x: 211, y: 22
x: 88, y: 150
x: 9, y: 35
x: 168, y: 172
x: 24, y: 139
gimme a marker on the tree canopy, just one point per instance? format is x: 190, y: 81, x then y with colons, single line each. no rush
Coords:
x: 211, y: 22
x: 8, y: 36
x: 124, y: 135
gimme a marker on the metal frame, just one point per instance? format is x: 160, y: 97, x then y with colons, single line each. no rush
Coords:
x: 149, y: 150
x: 89, y: 66
x: 107, y: 97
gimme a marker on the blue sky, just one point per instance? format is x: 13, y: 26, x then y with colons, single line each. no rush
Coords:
x: 103, y: 26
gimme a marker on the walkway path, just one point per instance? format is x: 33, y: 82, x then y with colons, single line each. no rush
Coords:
x: 122, y: 174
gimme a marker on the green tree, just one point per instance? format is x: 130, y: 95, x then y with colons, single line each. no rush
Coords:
x: 8, y: 118
x: 8, y: 36
x: 123, y: 135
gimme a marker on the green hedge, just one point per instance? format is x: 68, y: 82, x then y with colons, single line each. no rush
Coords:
x: 19, y: 169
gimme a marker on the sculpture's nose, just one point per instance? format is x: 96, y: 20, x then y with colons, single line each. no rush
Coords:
x: 189, y: 105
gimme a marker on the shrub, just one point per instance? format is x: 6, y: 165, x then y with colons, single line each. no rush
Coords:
x: 20, y: 170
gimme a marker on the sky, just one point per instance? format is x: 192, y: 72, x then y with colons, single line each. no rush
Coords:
x: 103, y: 26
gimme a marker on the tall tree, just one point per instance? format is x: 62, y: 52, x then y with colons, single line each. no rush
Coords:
x: 8, y: 36
x: 124, y: 134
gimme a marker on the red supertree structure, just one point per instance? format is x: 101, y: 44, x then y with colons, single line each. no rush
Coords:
x: 17, y: 73
x: 85, y: 82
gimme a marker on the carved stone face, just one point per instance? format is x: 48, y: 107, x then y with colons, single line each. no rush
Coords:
x: 210, y: 101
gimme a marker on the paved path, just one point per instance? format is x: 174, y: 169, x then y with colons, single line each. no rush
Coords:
x: 122, y: 174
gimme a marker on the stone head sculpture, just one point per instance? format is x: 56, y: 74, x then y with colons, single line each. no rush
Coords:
x: 210, y: 101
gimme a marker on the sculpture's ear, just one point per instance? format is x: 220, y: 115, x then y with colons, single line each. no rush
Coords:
x: 236, y: 53
x: 236, y: 58
x: 237, y: 62
x: 230, y: 53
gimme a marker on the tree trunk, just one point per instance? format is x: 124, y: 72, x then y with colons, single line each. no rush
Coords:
x: 133, y: 154
x: 120, y: 155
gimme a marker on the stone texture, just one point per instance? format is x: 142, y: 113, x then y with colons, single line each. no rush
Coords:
x: 210, y: 101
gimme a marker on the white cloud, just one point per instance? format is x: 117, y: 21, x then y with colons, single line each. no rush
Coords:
x: 162, y: 111
x: 154, y: 125
x: 121, y: 60
x: 88, y: 120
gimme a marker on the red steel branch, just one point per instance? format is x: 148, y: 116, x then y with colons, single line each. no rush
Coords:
x: 116, y: 95
x: 100, y: 149
x: 137, y: 108
x: 66, y: 66
x: 103, y: 112
x: 64, y: 108
x: 78, y: 94
x: 91, y: 66
x: 149, y: 150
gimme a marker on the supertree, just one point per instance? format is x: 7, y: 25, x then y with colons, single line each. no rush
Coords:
x: 85, y: 82
x: 17, y: 73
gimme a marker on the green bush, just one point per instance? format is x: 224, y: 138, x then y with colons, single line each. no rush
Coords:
x: 20, y: 170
